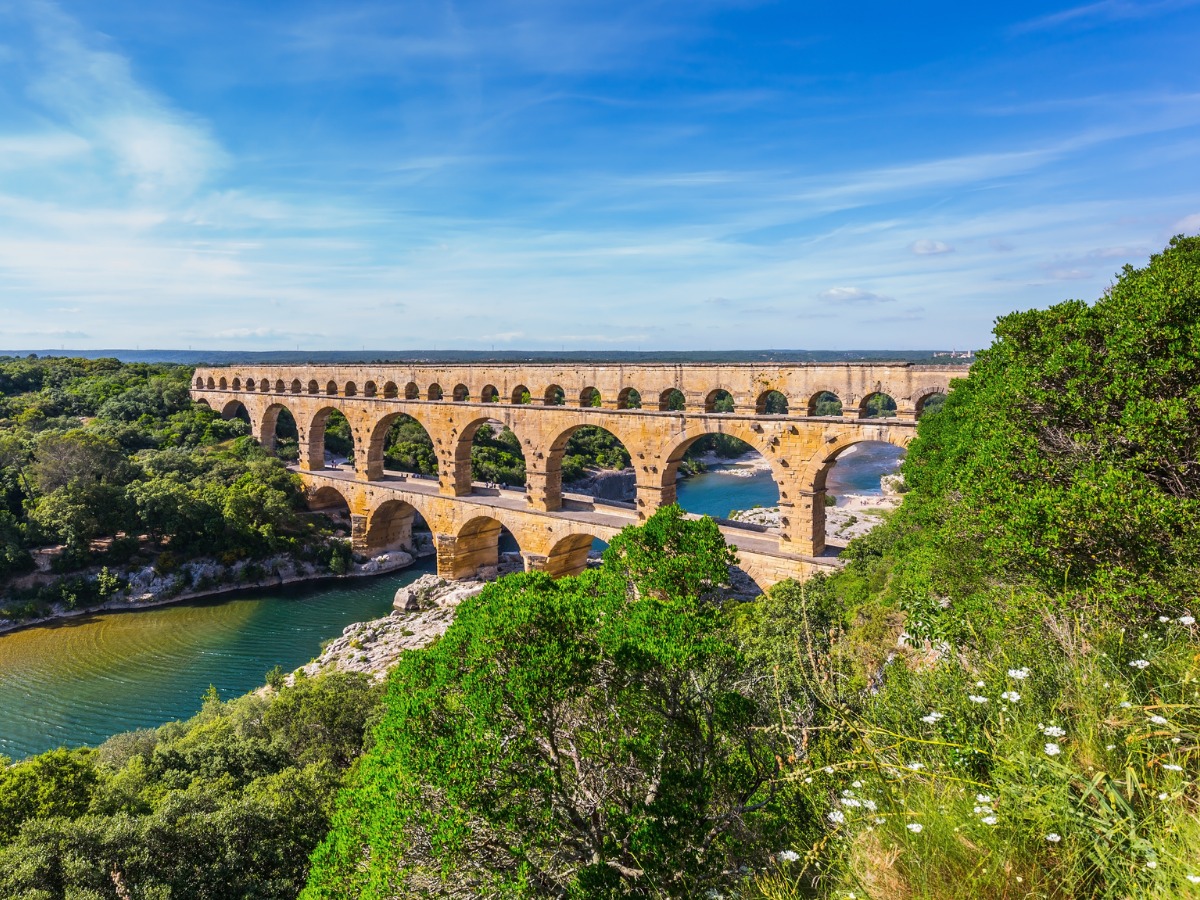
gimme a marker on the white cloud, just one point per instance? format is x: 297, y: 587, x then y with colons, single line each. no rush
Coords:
x: 1188, y: 224
x: 926, y: 247
x: 853, y: 295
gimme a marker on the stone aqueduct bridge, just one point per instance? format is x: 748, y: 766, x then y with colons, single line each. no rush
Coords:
x: 555, y: 531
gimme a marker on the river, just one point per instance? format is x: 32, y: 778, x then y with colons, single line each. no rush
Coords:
x: 82, y: 680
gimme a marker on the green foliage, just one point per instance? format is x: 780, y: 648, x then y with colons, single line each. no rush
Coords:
x: 146, y: 462
x: 1084, y: 470
x: 227, y: 805
x: 580, y: 737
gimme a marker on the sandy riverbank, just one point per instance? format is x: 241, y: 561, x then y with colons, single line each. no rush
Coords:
x: 854, y: 515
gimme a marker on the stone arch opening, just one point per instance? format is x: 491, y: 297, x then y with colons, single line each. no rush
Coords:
x: 771, y: 403
x: 391, y: 526
x: 435, y: 392
x: 251, y: 384
x: 931, y: 402
x: 589, y: 397
x: 462, y: 393
x: 313, y: 387
x: 265, y: 386
x: 279, y: 432
x: 489, y: 394
x: 554, y: 396
x: 400, y: 443
x: 877, y: 406
x: 236, y: 409
x: 521, y: 395
x: 718, y: 401
x: 333, y: 506
x: 570, y: 555
x: 671, y: 400
x: 824, y: 403
x: 330, y: 439
x: 390, y: 390
x: 370, y: 389
x: 590, y: 460
x: 237, y: 384
x: 852, y: 488
x: 411, y: 391
x: 224, y: 384
x: 495, y: 453
x: 331, y: 389
x: 351, y: 389
x: 629, y: 398
x: 211, y: 383
x: 199, y: 383
x: 296, y: 386
x: 722, y: 475
x: 203, y: 402
x: 476, y: 549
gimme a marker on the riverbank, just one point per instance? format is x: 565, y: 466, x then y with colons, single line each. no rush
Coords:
x: 853, y: 516
x: 204, y: 578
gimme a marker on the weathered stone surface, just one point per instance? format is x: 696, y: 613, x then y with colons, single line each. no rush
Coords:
x: 465, y: 520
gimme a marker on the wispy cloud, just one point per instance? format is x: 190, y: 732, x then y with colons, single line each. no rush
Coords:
x: 1102, y: 11
x: 927, y: 247
x: 853, y: 295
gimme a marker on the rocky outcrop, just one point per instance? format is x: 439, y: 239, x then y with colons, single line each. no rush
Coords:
x: 607, y: 484
x: 424, y: 610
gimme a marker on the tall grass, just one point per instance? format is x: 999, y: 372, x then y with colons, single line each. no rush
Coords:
x: 1057, y: 760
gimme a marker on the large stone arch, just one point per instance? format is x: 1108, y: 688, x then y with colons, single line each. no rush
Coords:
x: 264, y: 431
x: 230, y: 408
x: 543, y: 462
x: 376, y: 440
x: 459, y: 457
x: 312, y: 436
x: 663, y: 471
x: 474, y: 546
x: 389, y: 526
x: 568, y: 555
x: 807, y: 530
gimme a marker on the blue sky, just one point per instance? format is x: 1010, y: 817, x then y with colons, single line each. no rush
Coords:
x: 617, y: 175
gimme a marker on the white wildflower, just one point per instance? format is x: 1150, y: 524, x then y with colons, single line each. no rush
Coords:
x: 1176, y: 740
x: 1110, y: 747
x: 1187, y: 620
x: 1052, y: 731
x: 915, y: 827
x: 979, y: 684
x: 1140, y: 663
x: 932, y: 718
x: 869, y: 804
x: 1158, y: 720
x: 837, y: 817
x: 1125, y: 704
x: 1052, y: 749
x: 1019, y: 674
x: 975, y: 698
x: 1194, y: 879
x: 879, y: 820
x: 856, y: 784
x: 1164, y: 618
x: 916, y: 766
x: 983, y: 798
x: 989, y: 820
x: 1151, y: 864
x: 1163, y: 796
x: 1171, y: 767
x: 1053, y: 838
x: 829, y: 770
x: 851, y: 802
x: 788, y: 855
x: 808, y: 780
x: 1010, y: 696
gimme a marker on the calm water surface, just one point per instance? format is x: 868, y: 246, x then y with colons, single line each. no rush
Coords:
x: 716, y: 492
x: 81, y: 681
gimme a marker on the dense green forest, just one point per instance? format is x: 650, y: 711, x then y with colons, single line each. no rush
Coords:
x: 113, y: 463
x: 995, y: 698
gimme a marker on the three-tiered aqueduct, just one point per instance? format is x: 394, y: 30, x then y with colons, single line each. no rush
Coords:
x: 555, y: 531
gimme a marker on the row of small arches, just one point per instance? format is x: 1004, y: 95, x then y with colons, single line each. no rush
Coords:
x: 770, y: 402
